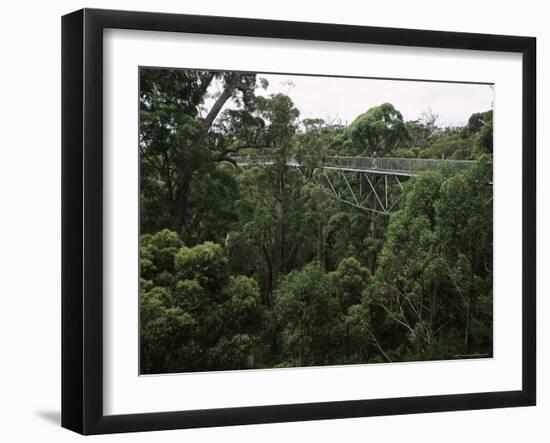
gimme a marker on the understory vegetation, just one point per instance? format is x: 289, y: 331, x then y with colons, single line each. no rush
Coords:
x: 260, y: 266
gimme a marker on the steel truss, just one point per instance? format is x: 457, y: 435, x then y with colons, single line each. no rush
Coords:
x: 369, y: 191
x: 367, y: 183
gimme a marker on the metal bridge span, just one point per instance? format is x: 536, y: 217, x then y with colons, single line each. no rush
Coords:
x: 368, y: 183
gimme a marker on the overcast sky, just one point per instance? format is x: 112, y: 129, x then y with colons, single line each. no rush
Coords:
x: 334, y: 98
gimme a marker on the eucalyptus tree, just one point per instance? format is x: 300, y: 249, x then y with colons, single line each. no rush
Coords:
x: 381, y: 129
x: 195, y: 315
x: 465, y: 231
x: 266, y: 187
x: 307, y: 309
x: 434, y: 280
x: 178, y: 109
x: 262, y: 267
x: 481, y: 124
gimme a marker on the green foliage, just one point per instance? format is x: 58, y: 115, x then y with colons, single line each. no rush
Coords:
x: 435, y: 268
x: 380, y: 129
x: 157, y: 253
x: 350, y: 280
x: 307, y: 310
x: 260, y: 267
x: 166, y: 333
x: 281, y: 115
x: 194, y: 320
x: 205, y: 263
x: 244, y: 305
x: 483, y: 126
x: 449, y: 143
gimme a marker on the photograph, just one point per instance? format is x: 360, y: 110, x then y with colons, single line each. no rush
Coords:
x: 268, y: 222
x: 291, y: 220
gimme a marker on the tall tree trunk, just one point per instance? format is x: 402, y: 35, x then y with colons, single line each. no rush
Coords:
x: 179, y: 204
x: 185, y: 170
x: 469, y: 306
x: 320, y: 244
x: 279, y: 253
x: 467, y: 328
x: 269, y: 278
x: 347, y: 346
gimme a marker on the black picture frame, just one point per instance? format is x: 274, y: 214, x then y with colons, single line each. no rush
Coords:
x: 82, y: 215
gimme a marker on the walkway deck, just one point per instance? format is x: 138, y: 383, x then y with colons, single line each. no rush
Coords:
x: 407, y: 167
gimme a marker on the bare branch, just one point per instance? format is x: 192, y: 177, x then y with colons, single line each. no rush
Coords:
x: 220, y: 101
x: 373, y: 338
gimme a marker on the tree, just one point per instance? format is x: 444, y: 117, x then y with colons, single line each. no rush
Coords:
x: 193, y: 314
x: 420, y: 133
x: 409, y: 277
x: 477, y: 120
x: 157, y: 253
x: 435, y: 274
x: 465, y: 230
x: 243, y: 316
x: 480, y: 124
x: 309, y: 316
x: 381, y: 129
x: 350, y: 280
x: 267, y: 186
x: 282, y: 116
x: 166, y: 335
x: 206, y: 263
x: 261, y: 267
x: 174, y: 132
x: 448, y: 143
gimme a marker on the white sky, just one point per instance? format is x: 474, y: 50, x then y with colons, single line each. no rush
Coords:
x: 333, y: 98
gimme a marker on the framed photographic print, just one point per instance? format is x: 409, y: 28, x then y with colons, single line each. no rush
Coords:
x: 269, y: 221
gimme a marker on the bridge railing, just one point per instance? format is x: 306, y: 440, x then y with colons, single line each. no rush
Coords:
x: 410, y: 166
x: 254, y: 160
x: 405, y: 165
x: 263, y: 160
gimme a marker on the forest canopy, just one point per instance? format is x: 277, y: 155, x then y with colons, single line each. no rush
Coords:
x: 261, y: 266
